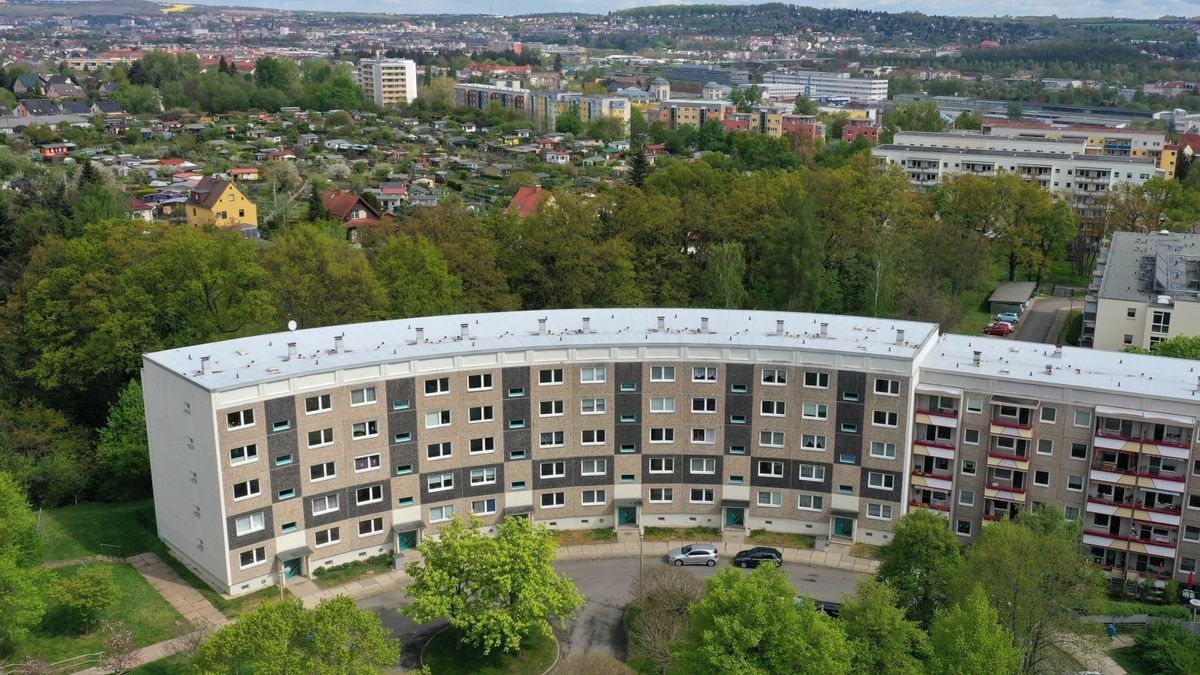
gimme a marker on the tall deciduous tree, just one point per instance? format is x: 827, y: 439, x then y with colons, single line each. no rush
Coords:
x: 319, y: 280
x: 21, y: 601
x: 123, y: 451
x: 968, y: 639
x: 45, y: 452
x: 920, y: 564
x: 83, y: 597
x: 752, y: 625
x: 883, y: 640
x: 795, y: 260
x: 1038, y: 579
x: 19, y: 539
x: 416, y: 279
x: 723, y: 283
x: 494, y: 591
x: 281, y: 638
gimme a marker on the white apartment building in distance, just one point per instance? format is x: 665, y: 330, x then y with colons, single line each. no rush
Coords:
x: 388, y: 82
x: 818, y: 85
x: 1057, y: 164
x: 278, y: 454
x: 1145, y: 289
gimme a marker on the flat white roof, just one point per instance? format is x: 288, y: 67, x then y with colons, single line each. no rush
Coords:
x: 1119, y: 373
x: 251, y: 360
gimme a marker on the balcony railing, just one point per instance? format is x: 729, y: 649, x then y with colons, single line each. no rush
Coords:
x: 945, y: 445
x: 1004, y: 455
x: 1113, y: 468
x: 936, y: 506
x: 1006, y: 488
x: 1170, y: 442
x: 999, y: 421
x: 946, y: 474
x: 1168, y: 541
x: 943, y: 413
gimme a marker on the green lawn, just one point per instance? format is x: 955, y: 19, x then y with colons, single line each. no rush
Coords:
x: 599, y: 535
x: 537, y: 654
x: 975, y: 310
x: 785, y: 539
x: 172, y: 665
x: 1129, y: 659
x: 151, y: 618
x: 329, y: 577
x: 699, y: 533
x: 77, y: 531
x: 861, y: 550
x: 1131, y: 607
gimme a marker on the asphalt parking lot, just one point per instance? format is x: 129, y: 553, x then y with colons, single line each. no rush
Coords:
x: 606, y: 584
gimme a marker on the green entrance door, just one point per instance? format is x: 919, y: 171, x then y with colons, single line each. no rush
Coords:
x: 627, y: 515
x: 292, y: 568
x: 735, y: 516
x: 843, y: 527
x: 406, y: 540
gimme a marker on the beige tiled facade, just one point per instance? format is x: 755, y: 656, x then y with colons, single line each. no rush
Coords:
x: 337, y: 454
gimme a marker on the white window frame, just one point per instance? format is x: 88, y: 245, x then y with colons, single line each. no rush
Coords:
x: 376, y: 526
x: 597, y: 437
x: 820, y: 411
x: 443, y: 419
x: 772, y: 408
x: 667, y: 404
x: 443, y: 480
x: 771, y: 439
x: 665, y: 465
x: 329, y: 503
x: 329, y: 469
x: 1075, y: 489
x: 489, y: 506
x: 258, y: 557
x: 367, y: 396
x: 1053, y: 415
x: 253, y: 489
x: 704, y: 405
x: 374, y: 495
x: 598, y: 406
x: 774, y: 499
x: 704, y: 373
x: 486, y: 413
x: 593, y: 375
x: 886, y: 481
x: 665, y: 495
x: 482, y: 476
x: 326, y: 435
x: 550, y: 377
x: 558, y: 469
x: 557, y: 408
x: 254, y: 522
x: 598, y: 498
x: 598, y: 467
x: 773, y: 377
x: 890, y: 419
x: 377, y: 462
x: 776, y: 468
x: 816, y: 472
x: 443, y: 450
x: 815, y: 502
x: 485, y: 382
x: 487, y: 445
x: 708, y: 465
x: 557, y: 500
x: 249, y: 454
x: 883, y: 448
x: 819, y: 442
x: 707, y: 496
x: 666, y: 434
x: 324, y: 403
x: 882, y: 511
x: 891, y: 387
x: 557, y: 439
x: 370, y: 429
x: 439, y: 383
x: 444, y: 513
x: 966, y: 498
x: 703, y: 436
x: 662, y: 373
x: 1087, y: 419
x: 821, y: 380
x: 245, y: 419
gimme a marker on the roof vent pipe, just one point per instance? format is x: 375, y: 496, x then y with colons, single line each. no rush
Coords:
x: 203, y: 365
x: 662, y: 324
x: 291, y: 350
x: 975, y: 360
x: 587, y: 324
x: 779, y: 326
x: 704, y: 324
x: 338, y: 345
x: 1049, y: 369
x: 899, y: 336
x: 420, y: 335
x: 463, y: 332
x: 824, y: 329
x: 541, y: 326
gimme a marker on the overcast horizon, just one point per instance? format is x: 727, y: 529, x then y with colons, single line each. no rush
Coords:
x: 1131, y: 9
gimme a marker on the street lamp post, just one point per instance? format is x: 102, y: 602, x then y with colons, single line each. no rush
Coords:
x: 641, y: 554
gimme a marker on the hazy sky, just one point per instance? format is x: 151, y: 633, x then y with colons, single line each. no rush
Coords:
x: 1121, y: 8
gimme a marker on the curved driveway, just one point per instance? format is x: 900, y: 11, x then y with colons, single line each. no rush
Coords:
x: 605, y: 584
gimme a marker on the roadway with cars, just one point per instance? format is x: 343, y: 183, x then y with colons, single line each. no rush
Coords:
x: 606, y: 585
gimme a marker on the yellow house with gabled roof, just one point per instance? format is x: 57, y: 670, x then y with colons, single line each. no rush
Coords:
x: 218, y: 202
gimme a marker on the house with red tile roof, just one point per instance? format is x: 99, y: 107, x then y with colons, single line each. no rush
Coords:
x: 529, y: 199
x: 352, y: 210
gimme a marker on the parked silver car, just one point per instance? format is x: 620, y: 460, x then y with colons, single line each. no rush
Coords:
x: 694, y: 554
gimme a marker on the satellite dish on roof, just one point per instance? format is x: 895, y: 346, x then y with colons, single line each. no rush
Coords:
x: 292, y: 324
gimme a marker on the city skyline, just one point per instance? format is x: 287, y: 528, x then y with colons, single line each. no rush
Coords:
x: 1142, y: 9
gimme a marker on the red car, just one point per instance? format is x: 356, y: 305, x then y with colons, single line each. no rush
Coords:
x: 998, y: 328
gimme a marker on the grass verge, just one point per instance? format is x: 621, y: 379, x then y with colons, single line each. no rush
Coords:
x: 537, y: 654
x: 151, y: 619
x: 1072, y: 329
x: 1130, y: 607
x: 172, y: 665
x: 785, y: 539
x: 677, y: 533
x: 78, y: 531
x: 600, y: 535
x: 1133, y: 663
x: 861, y: 550
x: 328, y: 577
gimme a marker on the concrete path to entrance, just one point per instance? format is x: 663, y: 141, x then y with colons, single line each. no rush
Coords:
x: 1043, y: 320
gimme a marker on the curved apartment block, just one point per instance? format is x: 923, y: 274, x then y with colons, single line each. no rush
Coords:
x: 277, y: 454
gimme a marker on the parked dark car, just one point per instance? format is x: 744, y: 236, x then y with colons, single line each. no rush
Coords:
x: 753, y: 557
